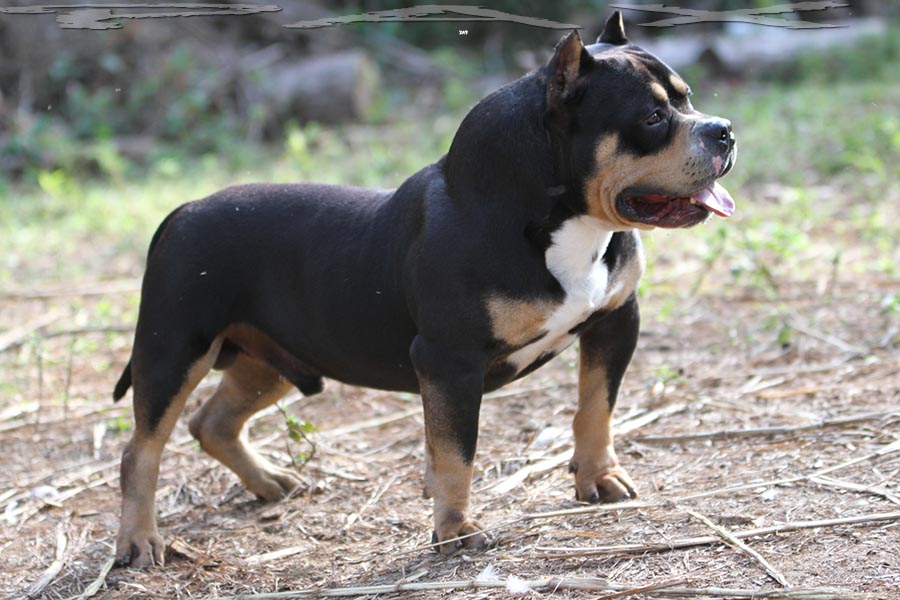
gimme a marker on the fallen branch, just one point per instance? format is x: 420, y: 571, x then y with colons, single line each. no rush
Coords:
x: 529, y: 390
x: 100, y: 288
x: 266, y: 557
x: 354, y: 517
x: 555, y: 552
x: 653, y: 587
x: 828, y: 339
x: 370, y: 423
x: 552, y: 462
x: 35, y: 589
x: 12, y: 426
x: 767, y: 431
x: 17, y: 336
x: 737, y: 544
x: 95, y: 585
x: 553, y: 585
x: 88, y: 330
x: 887, y: 449
x: 857, y: 487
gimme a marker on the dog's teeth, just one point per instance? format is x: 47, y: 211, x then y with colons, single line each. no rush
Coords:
x: 693, y: 201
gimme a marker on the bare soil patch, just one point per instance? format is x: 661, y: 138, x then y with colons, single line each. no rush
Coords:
x: 732, y: 414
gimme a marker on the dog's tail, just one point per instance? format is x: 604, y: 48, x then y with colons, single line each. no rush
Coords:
x: 125, y: 379
x: 123, y: 384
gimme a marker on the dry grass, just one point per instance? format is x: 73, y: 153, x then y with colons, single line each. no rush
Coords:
x: 730, y: 428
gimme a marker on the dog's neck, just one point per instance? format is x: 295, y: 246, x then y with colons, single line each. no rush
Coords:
x: 501, y: 152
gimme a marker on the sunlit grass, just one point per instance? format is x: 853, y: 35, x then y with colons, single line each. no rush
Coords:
x: 815, y: 182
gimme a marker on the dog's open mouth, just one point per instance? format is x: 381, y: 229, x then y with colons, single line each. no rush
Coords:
x: 662, y: 210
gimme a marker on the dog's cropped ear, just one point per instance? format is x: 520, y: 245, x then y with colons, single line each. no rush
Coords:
x: 569, y: 61
x: 614, y: 31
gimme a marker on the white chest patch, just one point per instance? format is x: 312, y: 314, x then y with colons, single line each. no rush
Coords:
x: 575, y: 258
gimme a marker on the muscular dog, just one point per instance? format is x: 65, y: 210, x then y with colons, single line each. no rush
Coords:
x: 475, y: 272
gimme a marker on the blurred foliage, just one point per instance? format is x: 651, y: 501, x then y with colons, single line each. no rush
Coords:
x: 76, y: 132
x: 875, y: 58
x: 823, y: 127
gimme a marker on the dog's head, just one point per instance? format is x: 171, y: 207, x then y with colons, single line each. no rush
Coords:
x: 625, y: 133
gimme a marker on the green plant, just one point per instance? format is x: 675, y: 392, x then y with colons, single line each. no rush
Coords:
x: 300, y: 431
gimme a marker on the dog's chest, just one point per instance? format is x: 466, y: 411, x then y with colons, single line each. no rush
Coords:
x: 576, y: 259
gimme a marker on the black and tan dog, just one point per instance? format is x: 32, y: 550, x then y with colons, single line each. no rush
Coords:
x: 476, y: 271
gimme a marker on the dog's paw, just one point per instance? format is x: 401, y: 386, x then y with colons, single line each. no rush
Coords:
x: 602, y: 484
x: 456, y: 533
x: 140, y: 550
x: 273, y: 483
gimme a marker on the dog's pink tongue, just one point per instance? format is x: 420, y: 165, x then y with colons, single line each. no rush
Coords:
x: 717, y: 199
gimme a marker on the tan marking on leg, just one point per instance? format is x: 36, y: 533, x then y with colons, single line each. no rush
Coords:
x: 139, y: 543
x: 678, y: 84
x: 248, y: 386
x: 625, y: 281
x: 598, y: 476
x: 517, y: 322
x: 448, y: 479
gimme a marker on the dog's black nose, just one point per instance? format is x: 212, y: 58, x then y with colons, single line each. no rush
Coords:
x: 718, y: 131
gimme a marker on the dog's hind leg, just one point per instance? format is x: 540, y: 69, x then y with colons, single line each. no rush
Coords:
x: 249, y: 385
x: 164, y: 373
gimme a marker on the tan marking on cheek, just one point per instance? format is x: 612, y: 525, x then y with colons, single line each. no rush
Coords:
x: 659, y: 92
x: 617, y: 171
x: 678, y: 84
x: 517, y: 322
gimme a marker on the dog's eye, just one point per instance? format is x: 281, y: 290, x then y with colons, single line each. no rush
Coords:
x: 656, y: 117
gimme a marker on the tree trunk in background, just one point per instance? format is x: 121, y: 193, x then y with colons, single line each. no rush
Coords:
x: 331, y: 89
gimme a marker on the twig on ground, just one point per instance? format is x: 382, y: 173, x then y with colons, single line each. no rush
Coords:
x: 18, y: 410
x: 594, y: 508
x: 828, y: 339
x: 87, y: 330
x: 560, y: 552
x: 508, y: 484
x: 99, y: 288
x: 886, y: 449
x: 776, y: 430
x: 556, y: 584
x: 26, y: 512
x: 266, y: 557
x: 856, y: 487
x: 352, y: 518
x: 653, y: 587
x: 17, y: 336
x: 529, y: 390
x: 737, y: 544
x: 370, y: 423
x: 35, y: 407
x: 95, y: 585
x: 50, y: 573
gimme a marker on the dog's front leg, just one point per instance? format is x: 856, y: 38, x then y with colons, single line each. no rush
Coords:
x: 451, y: 385
x: 605, y: 348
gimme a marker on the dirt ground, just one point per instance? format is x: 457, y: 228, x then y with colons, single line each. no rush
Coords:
x: 727, y: 413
